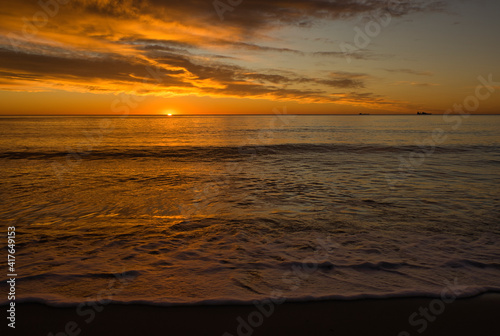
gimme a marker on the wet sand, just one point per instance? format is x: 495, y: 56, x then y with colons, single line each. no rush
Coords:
x: 473, y: 316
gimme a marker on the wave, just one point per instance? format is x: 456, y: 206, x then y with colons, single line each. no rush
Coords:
x: 307, y: 266
x: 471, y: 263
x: 58, y: 301
x: 379, y: 266
x: 221, y: 152
x: 89, y: 276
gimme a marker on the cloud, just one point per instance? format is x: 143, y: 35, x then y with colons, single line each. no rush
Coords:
x: 173, y: 73
x: 246, y: 18
x: 360, y: 54
x: 410, y: 72
x: 419, y: 84
x: 163, y: 48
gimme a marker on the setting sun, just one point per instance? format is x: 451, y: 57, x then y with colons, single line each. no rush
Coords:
x: 169, y: 112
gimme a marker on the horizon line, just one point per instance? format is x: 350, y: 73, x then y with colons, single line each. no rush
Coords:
x: 230, y: 114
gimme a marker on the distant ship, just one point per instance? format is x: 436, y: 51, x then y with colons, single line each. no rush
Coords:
x: 364, y: 114
x: 424, y: 113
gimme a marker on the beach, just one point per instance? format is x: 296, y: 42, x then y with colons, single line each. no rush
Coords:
x: 471, y: 316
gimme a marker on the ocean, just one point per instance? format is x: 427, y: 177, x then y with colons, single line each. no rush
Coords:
x: 230, y: 209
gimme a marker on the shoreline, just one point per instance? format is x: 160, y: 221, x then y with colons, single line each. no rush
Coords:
x: 390, y: 316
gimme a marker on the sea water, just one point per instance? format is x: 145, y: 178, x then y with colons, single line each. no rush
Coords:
x: 219, y: 209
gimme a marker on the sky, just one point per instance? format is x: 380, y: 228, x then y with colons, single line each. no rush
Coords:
x: 248, y: 56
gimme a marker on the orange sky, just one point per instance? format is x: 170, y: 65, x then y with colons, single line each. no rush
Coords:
x: 191, y: 57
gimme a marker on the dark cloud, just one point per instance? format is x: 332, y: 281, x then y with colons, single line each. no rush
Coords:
x: 418, y: 84
x: 171, y: 45
x: 254, y: 14
x: 111, y: 68
x: 155, y: 43
x: 340, y: 82
x: 106, y: 67
x: 411, y: 72
x: 360, y: 54
x: 255, y: 47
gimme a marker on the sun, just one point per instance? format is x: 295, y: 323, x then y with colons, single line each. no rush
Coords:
x: 169, y: 112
